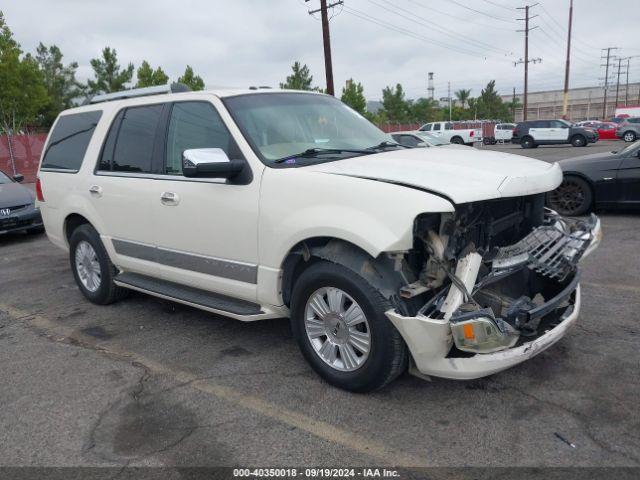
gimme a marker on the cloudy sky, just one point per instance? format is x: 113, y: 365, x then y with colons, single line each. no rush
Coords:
x: 376, y: 42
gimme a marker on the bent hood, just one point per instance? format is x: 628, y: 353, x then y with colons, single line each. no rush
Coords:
x: 461, y: 175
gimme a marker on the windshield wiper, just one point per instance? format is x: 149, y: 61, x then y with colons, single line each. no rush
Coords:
x: 386, y: 144
x: 314, y: 152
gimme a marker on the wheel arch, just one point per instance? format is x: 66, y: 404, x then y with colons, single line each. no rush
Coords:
x: 378, y: 271
x: 71, y: 222
x: 584, y: 177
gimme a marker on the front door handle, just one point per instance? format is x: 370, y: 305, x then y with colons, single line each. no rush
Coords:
x: 95, y: 190
x: 169, y: 199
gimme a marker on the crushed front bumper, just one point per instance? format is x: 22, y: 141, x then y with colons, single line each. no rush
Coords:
x: 434, y: 349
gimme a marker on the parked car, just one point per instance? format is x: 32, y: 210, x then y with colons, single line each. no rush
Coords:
x: 502, y: 133
x: 421, y: 139
x: 606, y: 130
x: 17, y: 206
x: 607, y: 180
x: 532, y: 133
x: 448, y: 132
x: 587, y: 123
x: 258, y: 204
x: 629, y: 129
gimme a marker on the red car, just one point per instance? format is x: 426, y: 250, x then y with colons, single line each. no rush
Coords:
x: 607, y: 130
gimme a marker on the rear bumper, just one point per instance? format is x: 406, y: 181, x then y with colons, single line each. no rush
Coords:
x: 21, y: 221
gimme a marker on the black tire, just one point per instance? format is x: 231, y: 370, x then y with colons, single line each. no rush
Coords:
x: 387, y: 357
x: 527, y: 142
x: 572, y: 198
x: 107, y: 291
x: 579, y: 141
x: 457, y: 140
x: 487, y: 141
x: 629, y: 136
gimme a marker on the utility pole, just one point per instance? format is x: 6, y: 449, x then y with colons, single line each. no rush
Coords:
x: 449, y: 95
x: 565, y: 100
x: 618, y: 82
x: 328, y: 68
x: 513, y: 104
x: 526, y: 30
x: 606, y: 81
x: 626, y: 89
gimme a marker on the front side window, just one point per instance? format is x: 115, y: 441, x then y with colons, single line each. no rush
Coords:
x: 69, y: 140
x: 427, y: 128
x: 196, y: 125
x: 291, y: 126
x: 130, y: 143
x: 4, y: 179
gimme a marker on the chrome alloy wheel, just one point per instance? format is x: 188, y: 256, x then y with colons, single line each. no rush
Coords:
x: 337, y: 329
x: 88, y: 266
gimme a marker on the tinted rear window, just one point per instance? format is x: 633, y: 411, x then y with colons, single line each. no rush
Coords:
x: 69, y: 140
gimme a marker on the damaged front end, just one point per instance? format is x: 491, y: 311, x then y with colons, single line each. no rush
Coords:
x: 498, y: 282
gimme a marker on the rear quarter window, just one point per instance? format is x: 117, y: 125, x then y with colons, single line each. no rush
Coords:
x: 69, y: 141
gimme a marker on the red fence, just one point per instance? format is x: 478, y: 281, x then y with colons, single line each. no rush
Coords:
x: 26, y: 155
x: 398, y: 127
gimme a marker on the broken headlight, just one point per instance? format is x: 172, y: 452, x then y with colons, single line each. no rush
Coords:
x: 479, y: 331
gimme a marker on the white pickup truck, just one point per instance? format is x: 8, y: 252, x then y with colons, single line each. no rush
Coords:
x: 446, y: 131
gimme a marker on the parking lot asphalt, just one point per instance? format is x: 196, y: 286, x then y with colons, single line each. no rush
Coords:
x: 148, y: 382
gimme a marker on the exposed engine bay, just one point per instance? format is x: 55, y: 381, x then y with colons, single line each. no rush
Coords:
x: 501, y: 272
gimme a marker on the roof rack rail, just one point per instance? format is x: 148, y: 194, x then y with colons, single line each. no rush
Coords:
x: 140, y: 92
x: 261, y: 87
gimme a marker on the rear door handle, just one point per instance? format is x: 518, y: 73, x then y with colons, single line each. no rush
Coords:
x: 95, y: 190
x: 169, y: 199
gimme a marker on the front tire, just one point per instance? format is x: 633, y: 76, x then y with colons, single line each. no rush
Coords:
x: 339, y: 322
x: 578, y: 141
x: 527, y: 142
x: 572, y: 198
x: 457, y: 140
x: 92, y: 268
x: 629, y: 136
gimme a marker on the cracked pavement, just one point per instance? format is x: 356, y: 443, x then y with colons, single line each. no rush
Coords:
x: 145, y: 382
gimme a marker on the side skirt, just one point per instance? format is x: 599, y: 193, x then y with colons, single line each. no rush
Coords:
x: 195, y: 297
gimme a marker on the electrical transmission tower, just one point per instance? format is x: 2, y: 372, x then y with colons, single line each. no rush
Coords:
x: 526, y: 60
x: 328, y: 66
x: 606, y: 78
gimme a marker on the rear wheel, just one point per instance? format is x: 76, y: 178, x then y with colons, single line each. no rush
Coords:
x: 573, y: 197
x: 92, y: 268
x: 629, y: 136
x: 527, y: 142
x: 340, y: 324
x: 578, y: 141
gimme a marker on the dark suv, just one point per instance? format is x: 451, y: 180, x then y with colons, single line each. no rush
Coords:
x: 532, y: 133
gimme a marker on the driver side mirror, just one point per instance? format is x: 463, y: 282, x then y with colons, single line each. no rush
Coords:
x: 209, y: 163
x: 18, y: 177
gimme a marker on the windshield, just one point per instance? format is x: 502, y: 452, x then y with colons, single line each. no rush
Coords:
x: 432, y: 139
x: 284, y: 125
x: 4, y: 178
x: 628, y: 149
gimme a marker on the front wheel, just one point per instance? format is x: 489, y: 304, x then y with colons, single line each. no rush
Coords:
x: 578, y: 141
x: 573, y: 197
x: 339, y: 322
x: 457, y: 140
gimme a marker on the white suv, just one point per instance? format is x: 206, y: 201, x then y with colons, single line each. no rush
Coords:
x: 257, y: 204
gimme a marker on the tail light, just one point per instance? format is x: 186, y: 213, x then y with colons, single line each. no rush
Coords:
x: 471, y: 134
x: 514, y: 131
x: 39, y: 195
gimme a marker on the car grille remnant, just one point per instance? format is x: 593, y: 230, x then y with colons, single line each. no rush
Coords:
x: 552, y: 250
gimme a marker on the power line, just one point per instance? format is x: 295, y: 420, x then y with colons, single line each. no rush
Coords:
x: 383, y: 23
x: 457, y: 17
x: 502, y: 19
x: 499, y: 5
x: 430, y: 24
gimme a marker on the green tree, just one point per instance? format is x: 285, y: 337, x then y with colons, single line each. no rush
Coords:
x: 463, y: 96
x: 394, y: 105
x: 148, y: 77
x: 22, y: 90
x: 353, y: 95
x: 108, y: 75
x: 490, y: 105
x: 191, y: 80
x: 425, y: 110
x: 300, y: 78
x: 59, y: 80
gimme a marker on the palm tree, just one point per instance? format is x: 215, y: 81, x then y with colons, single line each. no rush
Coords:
x: 463, y: 95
